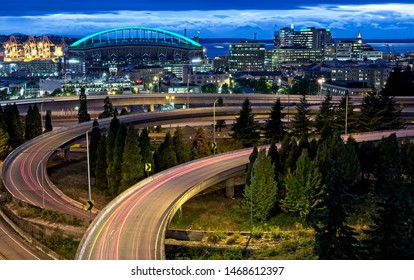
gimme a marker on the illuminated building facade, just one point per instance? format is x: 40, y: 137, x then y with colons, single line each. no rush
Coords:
x: 35, y: 68
x: 375, y: 76
x: 293, y: 47
x: 293, y: 56
x: 119, y: 49
x: 355, y: 50
x: 246, y: 57
x: 305, y: 38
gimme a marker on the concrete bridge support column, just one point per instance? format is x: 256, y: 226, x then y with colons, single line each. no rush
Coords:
x: 151, y: 108
x: 67, y: 154
x: 230, y: 187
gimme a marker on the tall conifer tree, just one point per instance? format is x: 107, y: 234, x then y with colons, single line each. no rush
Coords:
x: 101, y: 179
x: 132, y: 167
x: 245, y: 128
x: 146, y: 153
x: 275, y: 128
x: 182, y: 149
x: 335, y: 239
x: 200, y: 144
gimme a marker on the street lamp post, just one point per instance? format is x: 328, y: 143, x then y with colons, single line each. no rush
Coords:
x: 89, y: 171
x: 214, y: 125
x: 346, y: 112
x: 41, y: 115
x: 320, y: 82
x: 188, y: 88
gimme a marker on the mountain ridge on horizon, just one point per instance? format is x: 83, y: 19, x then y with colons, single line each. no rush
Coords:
x: 233, y: 39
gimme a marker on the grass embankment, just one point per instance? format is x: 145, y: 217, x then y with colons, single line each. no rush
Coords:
x: 72, y: 179
x: 228, y: 227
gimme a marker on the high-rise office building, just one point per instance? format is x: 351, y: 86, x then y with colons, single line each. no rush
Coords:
x: 306, y: 38
x: 297, y: 47
x: 248, y: 56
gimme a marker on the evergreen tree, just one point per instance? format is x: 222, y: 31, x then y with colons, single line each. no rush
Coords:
x: 367, y: 154
x: 33, y: 123
x: 132, y: 166
x: 334, y: 149
x: 302, y: 187
x: 284, y: 151
x: 409, y: 170
x: 200, y: 144
x: 275, y: 159
x: 220, y: 124
x: 165, y: 156
x: 324, y: 118
x: 110, y: 141
x: 399, y: 83
x: 29, y: 124
x: 263, y: 189
x: 334, y: 240
x: 391, y: 235
x: 294, y: 154
x: 101, y: 181
x: 113, y: 172
x: 14, y: 126
x: 252, y: 158
x: 37, y: 121
x: 83, y: 115
x: 378, y: 112
x: 48, y: 122
x: 108, y: 109
x: 344, y: 115
x: 93, y: 145
x: 348, y: 160
x: 145, y: 146
x: 275, y: 129
x: 5, y: 148
x: 304, y: 87
x: 300, y: 122
x: 245, y: 129
x: 181, y: 148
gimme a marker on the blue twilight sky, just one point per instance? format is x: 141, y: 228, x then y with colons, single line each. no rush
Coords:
x: 382, y: 19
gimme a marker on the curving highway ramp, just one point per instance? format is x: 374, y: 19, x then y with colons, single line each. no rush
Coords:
x: 133, y: 225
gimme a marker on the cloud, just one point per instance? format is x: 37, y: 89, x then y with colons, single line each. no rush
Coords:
x: 221, y: 23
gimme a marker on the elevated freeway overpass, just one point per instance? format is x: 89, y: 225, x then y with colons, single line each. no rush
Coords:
x: 66, y: 107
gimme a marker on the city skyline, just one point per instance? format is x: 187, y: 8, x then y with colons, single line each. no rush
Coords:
x: 210, y: 19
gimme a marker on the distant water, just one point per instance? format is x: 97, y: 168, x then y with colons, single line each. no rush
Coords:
x: 217, y: 49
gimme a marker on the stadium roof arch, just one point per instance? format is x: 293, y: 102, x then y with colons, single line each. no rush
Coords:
x: 135, y: 35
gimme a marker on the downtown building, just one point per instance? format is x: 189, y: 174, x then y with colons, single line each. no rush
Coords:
x: 355, y: 50
x: 293, y: 47
x: 246, y: 56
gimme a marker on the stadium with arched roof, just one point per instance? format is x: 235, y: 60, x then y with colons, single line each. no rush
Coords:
x: 133, y: 46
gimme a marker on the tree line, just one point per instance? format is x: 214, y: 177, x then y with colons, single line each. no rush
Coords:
x: 118, y: 158
x: 377, y: 112
x: 15, y: 130
x: 329, y: 182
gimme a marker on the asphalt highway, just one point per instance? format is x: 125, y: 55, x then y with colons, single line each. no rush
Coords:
x: 133, y: 225
x: 14, y: 247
